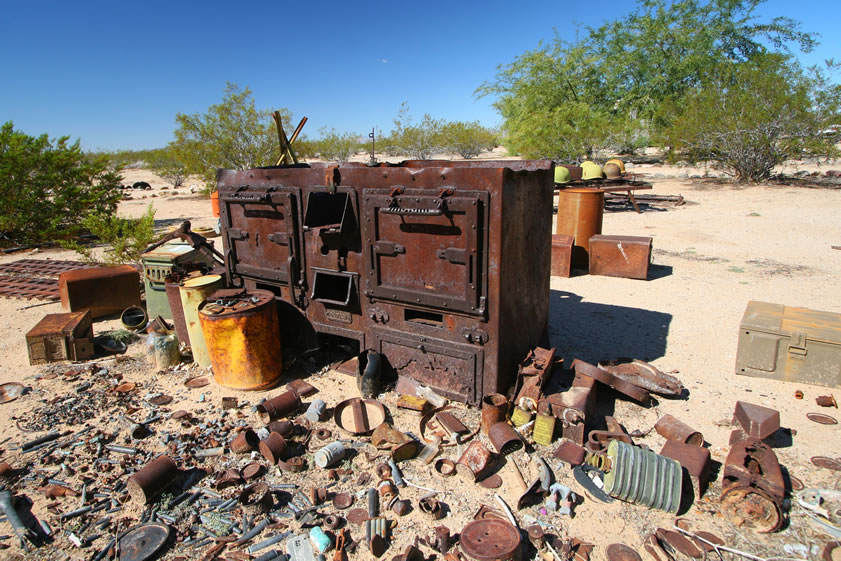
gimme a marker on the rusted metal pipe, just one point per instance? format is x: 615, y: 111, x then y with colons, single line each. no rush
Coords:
x: 672, y: 428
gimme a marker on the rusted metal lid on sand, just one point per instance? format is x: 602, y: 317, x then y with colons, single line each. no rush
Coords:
x: 622, y: 552
x: 143, y: 542
x: 489, y: 540
x: 358, y: 416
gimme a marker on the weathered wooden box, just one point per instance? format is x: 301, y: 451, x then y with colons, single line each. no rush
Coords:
x: 791, y: 344
x: 66, y: 336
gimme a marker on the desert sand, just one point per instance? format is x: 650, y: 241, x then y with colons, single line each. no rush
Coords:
x: 726, y: 246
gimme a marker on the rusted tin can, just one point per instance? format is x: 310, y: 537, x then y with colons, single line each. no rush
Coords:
x: 244, y: 442
x: 672, y: 428
x: 256, y: 498
x: 580, y: 214
x: 279, y: 406
x: 544, y: 429
x: 475, y: 461
x: 193, y: 293
x: 494, y: 409
x: 241, y: 334
x: 152, y: 478
x: 520, y: 416
x: 504, y: 438
x: 283, y: 428
x: 272, y: 447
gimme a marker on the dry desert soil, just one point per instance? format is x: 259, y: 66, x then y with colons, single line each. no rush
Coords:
x: 727, y: 245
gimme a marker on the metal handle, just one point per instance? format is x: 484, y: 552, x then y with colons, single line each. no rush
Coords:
x: 412, y: 211
x: 256, y: 198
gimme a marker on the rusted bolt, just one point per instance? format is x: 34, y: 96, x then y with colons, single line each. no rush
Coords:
x: 331, y: 521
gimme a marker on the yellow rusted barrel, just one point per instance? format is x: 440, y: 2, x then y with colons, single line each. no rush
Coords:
x: 193, y: 293
x: 242, y: 334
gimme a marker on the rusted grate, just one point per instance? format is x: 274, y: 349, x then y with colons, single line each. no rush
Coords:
x: 42, y: 267
x: 34, y: 278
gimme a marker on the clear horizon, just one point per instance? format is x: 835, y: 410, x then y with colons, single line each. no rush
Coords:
x: 114, y: 75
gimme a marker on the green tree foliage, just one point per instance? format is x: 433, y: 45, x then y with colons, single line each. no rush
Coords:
x: 467, y: 139
x: 47, y: 188
x: 125, y: 238
x: 167, y: 165
x: 418, y: 140
x: 747, y: 117
x: 232, y: 134
x: 331, y: 146
x: 615, y: 78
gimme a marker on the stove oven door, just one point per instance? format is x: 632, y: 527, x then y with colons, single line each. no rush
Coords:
x: 427, y: 248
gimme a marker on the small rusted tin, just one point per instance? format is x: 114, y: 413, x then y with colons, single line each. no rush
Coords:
x: 536, y: 536
x: 387, y: 490
x: 475, y: 461
x: 228, y: 478
x: 293, y: 465
x: 244, y: 442
x: 431, y: 507
x: 152, y: 478
x: 671, y: 428
x: 445, y: 467
x: 256, y: 497
x: 570, y: 452
x: 272, y: 447
x: 504, y: 438
x: 401, y: 507
x: 283, y: 428
x: 279, y: 406
x: 826, y: 401
x: 494, y: 409
x: 252, y: 471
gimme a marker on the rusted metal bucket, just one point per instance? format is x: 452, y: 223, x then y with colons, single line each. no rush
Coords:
x: 193, y: 293
x: 241, y: 333
x: 580, y: 214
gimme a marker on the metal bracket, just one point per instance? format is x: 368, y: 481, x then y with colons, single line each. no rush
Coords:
x: 237, y: 234
x: 280, y: 238
x: 453, y: 255
x: 475, y: 335
x: 797, y: 346
x: 383, y: 247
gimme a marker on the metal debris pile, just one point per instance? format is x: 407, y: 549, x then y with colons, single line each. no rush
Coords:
x: 284, y: 477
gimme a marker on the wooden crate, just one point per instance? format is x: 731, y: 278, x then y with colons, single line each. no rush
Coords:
x: 65, y: 336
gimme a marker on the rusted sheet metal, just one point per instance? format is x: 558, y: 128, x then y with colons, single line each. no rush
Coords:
x: 629, y: 389
x: 532, y: 375
x: 102, y: 290
x: 405, y: 259
x: 757, y: 421
x: 571, y: 453
x: 644, y: 375
x: 671, y: 428
x: 572, y: 407
x: 65, y: 336
x: 694, y: 459
x: 753, y: 487
x: 562, y: 255
x: 620, y: 256
x: 28, y: 287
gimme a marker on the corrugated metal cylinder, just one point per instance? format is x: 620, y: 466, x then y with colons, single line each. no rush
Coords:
x: 643, y: 477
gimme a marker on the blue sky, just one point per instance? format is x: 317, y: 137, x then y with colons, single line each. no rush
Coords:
x: 114, y: 74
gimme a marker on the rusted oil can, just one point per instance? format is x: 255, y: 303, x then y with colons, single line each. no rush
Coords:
x: 620, y: 256
x: 790, y: 344
x: 65, y: 336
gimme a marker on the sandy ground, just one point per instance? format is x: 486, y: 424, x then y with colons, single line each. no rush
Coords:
x: 726, y: 246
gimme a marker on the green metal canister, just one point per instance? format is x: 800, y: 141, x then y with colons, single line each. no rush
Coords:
x: 193, y: 293
x: 162, y: 261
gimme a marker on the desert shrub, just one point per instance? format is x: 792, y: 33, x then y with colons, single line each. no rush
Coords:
x: 49, y: 187
x: 124, y: 238
x: 467, y: 139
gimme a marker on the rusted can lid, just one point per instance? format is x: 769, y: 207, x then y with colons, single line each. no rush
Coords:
x: 490, y: 540
x: 143, y: 542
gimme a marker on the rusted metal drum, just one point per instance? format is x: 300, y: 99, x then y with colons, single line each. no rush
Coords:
x: 193, y: 293
x: 243, y: 339
x: 580, y: 214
